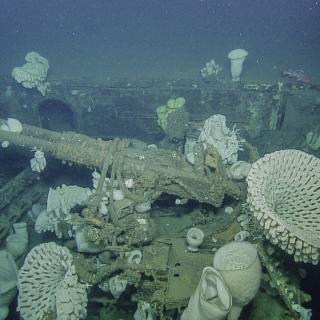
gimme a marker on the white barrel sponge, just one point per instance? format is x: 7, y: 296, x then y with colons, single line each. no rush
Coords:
x: 284, y: 196
x: 239, y: 265
x: 58, y: 217
x: 33, y: 73
x: 48, y: 285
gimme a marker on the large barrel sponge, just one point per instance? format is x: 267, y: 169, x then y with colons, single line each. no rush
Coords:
x: 239, y: 265
x: 284, y: 197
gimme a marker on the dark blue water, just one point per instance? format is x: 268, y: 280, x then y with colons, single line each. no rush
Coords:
x: 97, y: 39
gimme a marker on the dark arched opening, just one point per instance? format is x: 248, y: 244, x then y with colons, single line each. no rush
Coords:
x: 56, y: 115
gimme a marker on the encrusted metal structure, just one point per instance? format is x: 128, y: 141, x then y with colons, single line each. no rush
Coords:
x: 98, y: 126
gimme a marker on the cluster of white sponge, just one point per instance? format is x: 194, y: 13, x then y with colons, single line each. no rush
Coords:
x: 33, y: 73
x: 58, y: 217
x: 225, y: 140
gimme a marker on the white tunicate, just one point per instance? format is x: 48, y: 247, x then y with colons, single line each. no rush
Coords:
x: 241, y: 236
x: 228, y: 210
x: 103, y: 208
x: 38, y: 162
x: 189, y: 150
x: 129, y: 183
x: 134, y: 256
x: 195, y: 238
x: 117, y: 286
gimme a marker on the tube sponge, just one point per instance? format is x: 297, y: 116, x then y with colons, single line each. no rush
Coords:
x: 211, y: 299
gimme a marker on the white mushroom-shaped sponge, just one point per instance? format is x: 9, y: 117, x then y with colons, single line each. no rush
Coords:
x: 284, y: 197
x: 237, y: 57
x: 195, y: 238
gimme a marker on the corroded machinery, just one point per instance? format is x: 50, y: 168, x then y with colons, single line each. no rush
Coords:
x: 163, y: 277
x: 156, y: 171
